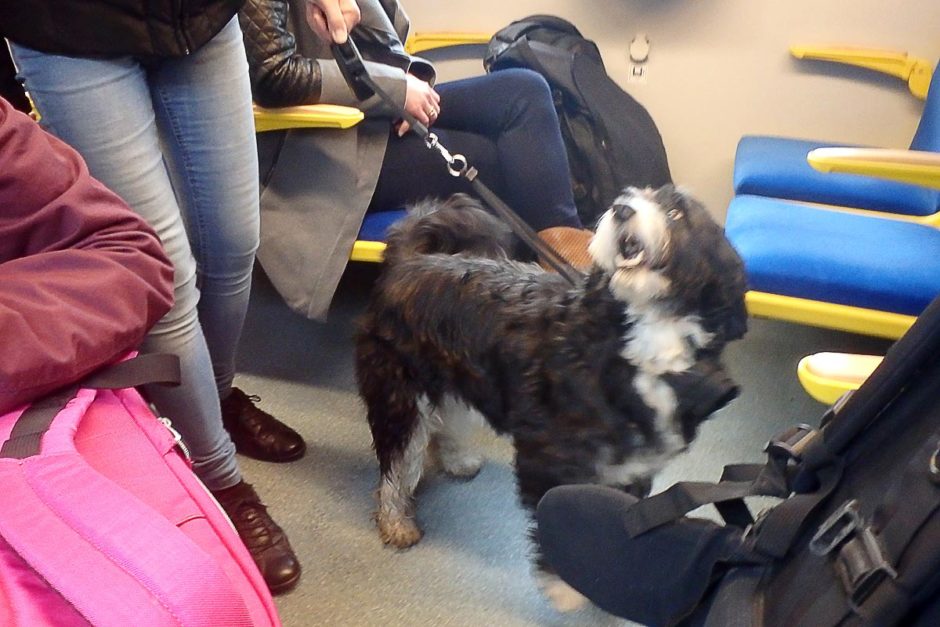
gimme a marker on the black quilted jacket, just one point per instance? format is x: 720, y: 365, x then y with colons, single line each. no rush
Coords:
x: 110, y: 28
x: 288, y: 65
x: 280, y: 75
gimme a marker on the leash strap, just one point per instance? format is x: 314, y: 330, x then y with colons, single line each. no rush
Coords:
x: 363, y: 86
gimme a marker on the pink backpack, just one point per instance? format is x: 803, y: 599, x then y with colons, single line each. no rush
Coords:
x: 102, y: 521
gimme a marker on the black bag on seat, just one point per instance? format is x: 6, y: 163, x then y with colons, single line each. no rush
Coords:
x: 611, y: 140
x: 853, y: 540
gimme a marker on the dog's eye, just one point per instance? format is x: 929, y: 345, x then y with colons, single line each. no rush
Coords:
x: 674, y: 214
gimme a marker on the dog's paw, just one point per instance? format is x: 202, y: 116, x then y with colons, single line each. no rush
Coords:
x: 563, y: 597
x: 400, y: 533
x: 461, y: 466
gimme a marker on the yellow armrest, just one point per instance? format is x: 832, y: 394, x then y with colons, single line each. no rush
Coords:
x: 915, y: 71
x: 306, y: 116
x: 906, y: 166
x: 420, y: 42
x: 827, y: 376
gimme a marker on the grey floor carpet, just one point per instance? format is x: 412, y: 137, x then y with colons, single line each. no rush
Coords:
x: 472, y: 566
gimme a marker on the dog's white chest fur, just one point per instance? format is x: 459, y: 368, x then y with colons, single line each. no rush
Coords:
x: 657, y: 343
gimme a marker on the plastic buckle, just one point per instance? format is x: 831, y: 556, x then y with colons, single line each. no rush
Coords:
x: 860, y: 562
x: 842, y: 523
x: 791, y: 443
x: 862, y: 566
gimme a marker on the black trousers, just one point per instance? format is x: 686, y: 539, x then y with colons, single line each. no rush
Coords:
x: 504, y: 123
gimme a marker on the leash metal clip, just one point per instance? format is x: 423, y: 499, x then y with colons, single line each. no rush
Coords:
x: 456, y: 164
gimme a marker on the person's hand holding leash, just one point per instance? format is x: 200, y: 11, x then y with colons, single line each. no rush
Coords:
x: 421, y: 101
x: 332, y: 20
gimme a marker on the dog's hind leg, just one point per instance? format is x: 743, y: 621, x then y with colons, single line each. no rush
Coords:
x: 457, y: 423
x: 400, y: 433
x: 396, y: 505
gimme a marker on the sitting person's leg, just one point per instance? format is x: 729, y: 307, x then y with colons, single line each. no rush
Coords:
x: 506, y: 126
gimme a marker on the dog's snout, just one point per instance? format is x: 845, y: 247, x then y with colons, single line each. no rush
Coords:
x: 624, y: 212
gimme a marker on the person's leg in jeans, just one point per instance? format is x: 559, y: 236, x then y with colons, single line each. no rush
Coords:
x: 104, y: 108
x: 506, y: 125
x: 209, y: 147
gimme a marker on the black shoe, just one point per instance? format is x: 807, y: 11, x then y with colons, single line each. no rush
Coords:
x: 264, y: 539
x: 257, y: 433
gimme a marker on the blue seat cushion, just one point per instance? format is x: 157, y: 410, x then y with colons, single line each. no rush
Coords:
x: 375, y: 225
x: 777, y: 167
x: 836, y: 257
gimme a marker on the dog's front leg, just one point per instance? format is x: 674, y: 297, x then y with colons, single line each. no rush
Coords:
x: 533, y: 484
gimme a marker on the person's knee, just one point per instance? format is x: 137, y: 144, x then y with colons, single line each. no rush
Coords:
x: 527, y: 84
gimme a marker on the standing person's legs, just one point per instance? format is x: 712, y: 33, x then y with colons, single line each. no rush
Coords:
x: 79, y: 100
x: 203, y: 109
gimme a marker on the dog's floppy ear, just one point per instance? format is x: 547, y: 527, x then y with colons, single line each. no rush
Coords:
x: 721, y: 297
x: 723, y: 312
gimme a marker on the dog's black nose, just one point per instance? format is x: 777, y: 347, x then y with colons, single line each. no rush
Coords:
x: 623, y: 212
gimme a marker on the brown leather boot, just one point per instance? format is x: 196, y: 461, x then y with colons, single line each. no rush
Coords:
x: 257, y: 433
x: 264, y: 539
x: 570, y: 243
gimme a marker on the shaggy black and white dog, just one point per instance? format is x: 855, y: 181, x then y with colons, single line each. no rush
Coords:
x: 599, y: 382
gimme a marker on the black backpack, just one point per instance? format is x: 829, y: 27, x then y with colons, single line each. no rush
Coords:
x: 612, y: 141
x: 853, y: 540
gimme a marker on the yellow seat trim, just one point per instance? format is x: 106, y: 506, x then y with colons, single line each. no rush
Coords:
x: 827, y: 376
x: 422, y: 42
x: 306, y: 116
x: 916, y: 71
x: 828, y: 315
x: 367, y: 251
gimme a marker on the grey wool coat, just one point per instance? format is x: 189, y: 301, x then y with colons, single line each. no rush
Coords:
x: 317, y: 183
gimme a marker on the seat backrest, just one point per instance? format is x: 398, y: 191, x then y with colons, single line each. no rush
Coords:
x: 927, y: 136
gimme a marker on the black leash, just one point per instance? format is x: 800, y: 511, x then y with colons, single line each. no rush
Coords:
x: 363, y: 86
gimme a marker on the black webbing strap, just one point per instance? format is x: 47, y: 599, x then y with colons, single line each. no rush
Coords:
x: 737, y: 482
x: 868, y: 581
x: 354, y: 72
x: 776, y: 532
x: 26, y: 436
x: 162, y: 368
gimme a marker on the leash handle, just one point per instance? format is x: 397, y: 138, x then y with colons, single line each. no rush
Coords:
x: 352, y: 68
x: 357, y: 77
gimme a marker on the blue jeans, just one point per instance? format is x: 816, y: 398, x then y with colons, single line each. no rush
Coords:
x: 175, y: 139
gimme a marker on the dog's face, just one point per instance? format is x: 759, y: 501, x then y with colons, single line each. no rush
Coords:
x: 662, y: 245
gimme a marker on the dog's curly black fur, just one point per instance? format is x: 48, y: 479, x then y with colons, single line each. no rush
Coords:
x: 600, y: 382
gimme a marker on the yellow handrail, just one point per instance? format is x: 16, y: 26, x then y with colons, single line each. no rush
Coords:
x: 907, y: 166
x: 916, y: 71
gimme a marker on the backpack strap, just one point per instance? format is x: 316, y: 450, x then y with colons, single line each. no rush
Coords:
x: 26, y: 436
x: 774, y: 478
x: 107, y: 553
